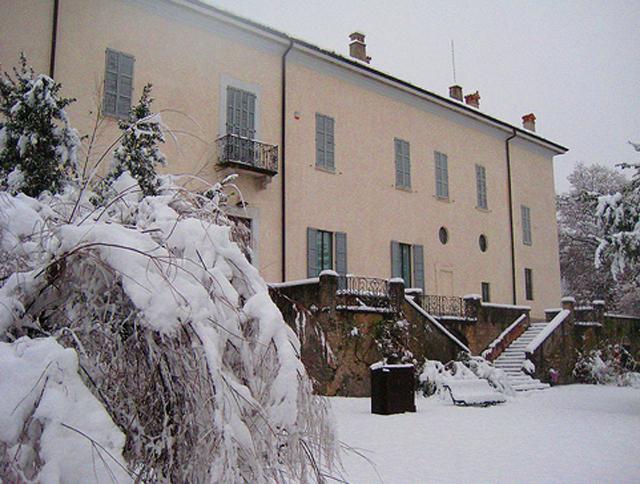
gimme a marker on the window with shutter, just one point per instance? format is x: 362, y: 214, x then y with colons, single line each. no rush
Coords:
x: 418, y: 266
x: 486, y: 292
x: 118, y: 83
x: 528, y: 284
x: 402, y: 163
x: 312, y: 253
x: 481, y: 186
x: 401, y: 262
x: 442, y: 175
x: 341, y: 253
x: 526, y: 225
x: 325, y: 149
x: 320, y: 252
x: 241, y: 112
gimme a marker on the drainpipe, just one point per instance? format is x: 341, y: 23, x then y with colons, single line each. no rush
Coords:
x: 54, y: 39
x: 283, y: 128
x: 509, y: 189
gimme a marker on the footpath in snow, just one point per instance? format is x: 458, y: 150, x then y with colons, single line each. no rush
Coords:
x: 567, y: 434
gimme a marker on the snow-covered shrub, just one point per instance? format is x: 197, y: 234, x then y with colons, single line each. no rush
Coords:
x: 138, y: 152
x: 435, y: 374
x: 52, y: 428
x: 611, y: 365
x: 390, y: 336
x: 432, y: 377
x: 174, y: 335
x: 37, y: 145
x: 483, y: 369
x: 528, y: 367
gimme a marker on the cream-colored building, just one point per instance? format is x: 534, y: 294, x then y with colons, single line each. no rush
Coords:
x: 342, y: 166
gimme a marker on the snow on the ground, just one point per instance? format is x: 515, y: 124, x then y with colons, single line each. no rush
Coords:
x: 567, y: 434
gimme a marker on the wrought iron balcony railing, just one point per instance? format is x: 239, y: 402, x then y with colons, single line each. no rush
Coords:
x: 248, y: 154
x: 444, y: 306
x: 363, y: 286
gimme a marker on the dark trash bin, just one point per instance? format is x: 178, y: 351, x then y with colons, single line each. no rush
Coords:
x: 392, y: 389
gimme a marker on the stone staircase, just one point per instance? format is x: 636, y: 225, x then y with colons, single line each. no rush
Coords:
x: 511, y: 359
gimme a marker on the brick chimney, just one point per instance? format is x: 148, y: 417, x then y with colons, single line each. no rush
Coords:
x: 455, y: 92
x: 357, y: 47
x: 529, y: 122
x: 473, y: 100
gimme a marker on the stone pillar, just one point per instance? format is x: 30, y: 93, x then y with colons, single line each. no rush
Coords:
x: 416, y: 294
x: 396, y: 292
x: 568, y: 303
x: 472, y: 303
x: 599, y: 309
x: 328, y: 289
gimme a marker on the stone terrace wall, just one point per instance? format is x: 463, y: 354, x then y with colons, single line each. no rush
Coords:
x: 587, y: 328
x: 484, y: 322
x: 339, y: 345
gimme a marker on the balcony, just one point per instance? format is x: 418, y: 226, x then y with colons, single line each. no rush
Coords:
x: 248, y: 154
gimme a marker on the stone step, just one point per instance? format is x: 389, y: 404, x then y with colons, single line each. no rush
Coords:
x: 531, y: 386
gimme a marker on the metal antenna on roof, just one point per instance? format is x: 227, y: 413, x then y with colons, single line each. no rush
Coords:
x: 453, y: 61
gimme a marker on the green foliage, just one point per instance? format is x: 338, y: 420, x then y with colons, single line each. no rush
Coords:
x: 37, y: 145
x: 391, y: 337
x: 138, y: 152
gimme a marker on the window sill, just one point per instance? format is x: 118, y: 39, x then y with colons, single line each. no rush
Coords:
x: 115, y: 117
x: 443, y: 199
x: 527, y: 244
x: 325, y: 169
x: 483, y: 210
x: 404, y: 189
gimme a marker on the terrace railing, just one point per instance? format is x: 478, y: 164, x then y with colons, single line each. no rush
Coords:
x: 364, y: 292
x: 444, y: 306
x: 248, y: 154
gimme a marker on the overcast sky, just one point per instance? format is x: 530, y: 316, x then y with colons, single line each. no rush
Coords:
x: 575, y: 64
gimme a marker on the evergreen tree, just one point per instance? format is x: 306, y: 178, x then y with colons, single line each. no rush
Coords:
x: 37, y: 145
x: 619, y: 219
x: 138, y: 152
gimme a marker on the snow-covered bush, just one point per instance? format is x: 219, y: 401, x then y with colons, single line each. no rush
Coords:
x: 435, y: 374
x: 37, y: 145
x: 173, y: 333
x: 611, y: 365
x: 138, y: 152
x: 391, y: 337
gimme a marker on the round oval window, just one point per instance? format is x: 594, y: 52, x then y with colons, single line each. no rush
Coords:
x: 443, y: 235
x: 482, y: 242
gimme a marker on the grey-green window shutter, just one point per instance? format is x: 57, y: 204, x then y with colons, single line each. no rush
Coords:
x: 232, y: 96
x: 125, y: 84
x: 329, y: 143
x: 407, y: 165
x: 111, y: 82
x: 251, y: 115
x: 481, y: 186
x: 396, y: 262
x: 320, y: 140
x: 341, y: 253
x: 312, y: 252
x: 398, y: 162
x: 418, y: 266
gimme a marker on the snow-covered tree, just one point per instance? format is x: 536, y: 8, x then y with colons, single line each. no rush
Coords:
x: 579, y: 233
x: 37, y: 145
x: 146, y: 348
x: 619, y: 219
x: 138, y: 152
